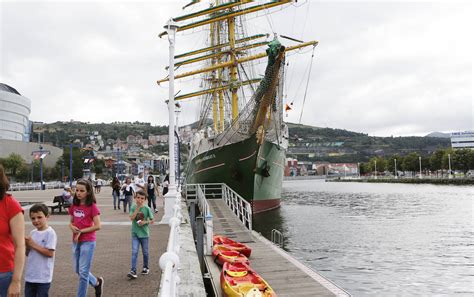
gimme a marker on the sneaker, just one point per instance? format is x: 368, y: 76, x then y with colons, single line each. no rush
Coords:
x: 145, y: 270
x: 132, y: 274
x: 99, y: 289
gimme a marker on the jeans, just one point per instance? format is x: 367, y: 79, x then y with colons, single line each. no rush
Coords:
x: 36, y: 289
x: 135, y: 244
x: 116, y: 197
x: 5, y: 280
x: 152, y: 200
x: 128, y: 200
x: 83, y: 253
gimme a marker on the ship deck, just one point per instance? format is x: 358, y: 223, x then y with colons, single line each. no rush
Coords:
x: 285, y: 275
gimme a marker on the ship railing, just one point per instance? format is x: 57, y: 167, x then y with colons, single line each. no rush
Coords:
x: 241, y: 207
x: 169, y: 261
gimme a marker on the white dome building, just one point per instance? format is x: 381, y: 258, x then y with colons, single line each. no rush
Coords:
x: 14, y: 114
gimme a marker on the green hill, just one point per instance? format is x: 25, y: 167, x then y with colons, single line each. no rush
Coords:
x: 337, y: 145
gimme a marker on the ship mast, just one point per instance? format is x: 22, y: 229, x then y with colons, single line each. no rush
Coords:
x: 224, y: 55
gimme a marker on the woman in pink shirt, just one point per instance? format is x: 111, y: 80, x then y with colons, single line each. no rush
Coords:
x: 85, y: 221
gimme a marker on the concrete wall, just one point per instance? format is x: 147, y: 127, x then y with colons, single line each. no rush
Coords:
x: 24, y: 149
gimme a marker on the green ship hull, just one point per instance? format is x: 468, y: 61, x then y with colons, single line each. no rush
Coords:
x: 254, y: 171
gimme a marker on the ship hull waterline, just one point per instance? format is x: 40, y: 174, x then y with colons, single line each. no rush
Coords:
x: 254, y: 171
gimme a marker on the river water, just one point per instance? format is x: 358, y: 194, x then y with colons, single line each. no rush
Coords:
x: 380, y: 239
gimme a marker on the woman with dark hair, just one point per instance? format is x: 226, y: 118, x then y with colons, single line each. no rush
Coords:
x: 153, y: 192
x: 166, y: 183
x: 12, y: 240
x: 116, y: 192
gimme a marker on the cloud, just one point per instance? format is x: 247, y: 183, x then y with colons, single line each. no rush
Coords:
x: 397, y: 68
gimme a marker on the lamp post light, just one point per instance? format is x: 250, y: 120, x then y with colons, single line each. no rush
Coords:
x: 375, y: 169
x: 40, y: 154
x: 62, y: 171
x: 449, y: 164
x: 396, y: 172
x: 71, y: 145
x: 170, y: 197
x: 419, y: 159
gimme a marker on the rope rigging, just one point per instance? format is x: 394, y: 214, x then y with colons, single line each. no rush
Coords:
x: 307, y: 84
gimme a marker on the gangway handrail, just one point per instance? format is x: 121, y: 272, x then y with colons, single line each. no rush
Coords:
x: 239, y: 206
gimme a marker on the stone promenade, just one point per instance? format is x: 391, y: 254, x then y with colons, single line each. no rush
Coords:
x: 113, y: 252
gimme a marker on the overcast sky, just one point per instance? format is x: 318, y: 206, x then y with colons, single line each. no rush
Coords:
x: 383, y: 68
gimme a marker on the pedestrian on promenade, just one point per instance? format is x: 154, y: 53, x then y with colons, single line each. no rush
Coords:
x: 99, y: 185
x: 128, y: 193
x: 95, y: 182
x: 85, y: 221
x: 141, y: 217
x: 139, y: 183
x: 166, y: 183
x: 40, y: 249
x: 116, y: 192
x: 12, y: 241
x: 153, y: 192
x: 67, y: 194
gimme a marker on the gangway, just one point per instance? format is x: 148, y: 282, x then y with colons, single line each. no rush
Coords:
x: 232, y: 217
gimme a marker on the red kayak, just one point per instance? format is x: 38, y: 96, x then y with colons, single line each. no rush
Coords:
x: 232, y: 245
x: 222, y: 255
x: 240, y: 280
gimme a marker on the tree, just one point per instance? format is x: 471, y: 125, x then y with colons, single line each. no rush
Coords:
x: 77, y: 162
x: 391, y: 163
x: 460, y: 158
x: 12, y: 163
x: 436, y: 160
x: 410, y: 162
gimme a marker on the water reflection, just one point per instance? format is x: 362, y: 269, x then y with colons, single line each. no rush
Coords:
x: 266, y: 222
x: 379, y: 239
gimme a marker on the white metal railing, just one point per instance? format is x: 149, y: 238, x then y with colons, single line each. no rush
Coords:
x: 241, y: 208
x: 169, y: 261
x: 277, y: 237
x: 35, y: 186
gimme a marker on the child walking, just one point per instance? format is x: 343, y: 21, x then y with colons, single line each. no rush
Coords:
x: 40, y: 249
x: 141, y: 216
x: 85, y: 221
x: 153, y: 192
x: 128, y: 191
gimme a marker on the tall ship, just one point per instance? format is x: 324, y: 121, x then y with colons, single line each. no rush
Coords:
x: 242, y: 139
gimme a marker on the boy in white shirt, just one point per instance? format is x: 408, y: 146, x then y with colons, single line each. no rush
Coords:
x: 40, y: 248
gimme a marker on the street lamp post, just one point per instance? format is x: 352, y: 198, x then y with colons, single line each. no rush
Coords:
x: 170, y: 197
x: 375, y: 169
x: 449, y: 164
x: 71, y: 145
x: 419, y: 159
x: 396, y: 172
x: 40, y: 154
x: 358, y: 169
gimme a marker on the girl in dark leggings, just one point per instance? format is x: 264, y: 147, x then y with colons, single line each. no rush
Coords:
x: 128, y: 192
x: 153, y: 192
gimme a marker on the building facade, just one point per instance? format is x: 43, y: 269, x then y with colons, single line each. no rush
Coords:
x: 14, y: 114
x: 461, y: 140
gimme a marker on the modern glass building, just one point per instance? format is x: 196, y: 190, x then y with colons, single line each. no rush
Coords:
x: 463, y: 139
x: 14, y: 114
